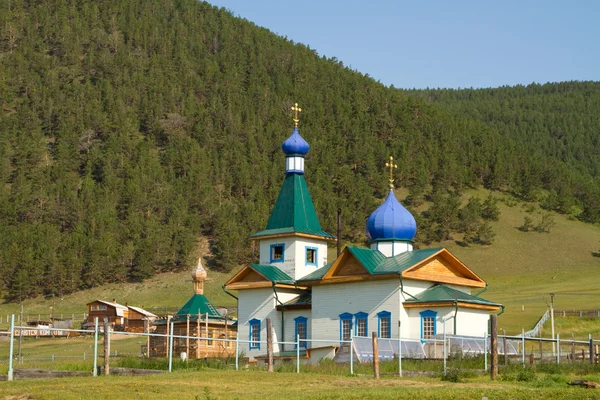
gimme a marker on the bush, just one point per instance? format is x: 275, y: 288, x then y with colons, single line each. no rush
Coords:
x: 526, y: 375
x: 457, y: 375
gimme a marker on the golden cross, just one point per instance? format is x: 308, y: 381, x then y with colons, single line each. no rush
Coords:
x: 296, y: 110
x: 391, y: 166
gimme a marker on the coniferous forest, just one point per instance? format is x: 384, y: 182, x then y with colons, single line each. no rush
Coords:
x: 129, y: 128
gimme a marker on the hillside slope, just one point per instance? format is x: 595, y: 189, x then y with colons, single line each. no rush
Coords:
x: 129, y: 128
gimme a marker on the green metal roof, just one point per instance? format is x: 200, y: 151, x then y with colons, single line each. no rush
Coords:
x: 443, y: 293
x: 198, y: 304
x: 272, y: 273
x: 404, y: 261
x: 369, y: 259
x: 294, y: 211
x: 303, y: 299
x: 316, y: 275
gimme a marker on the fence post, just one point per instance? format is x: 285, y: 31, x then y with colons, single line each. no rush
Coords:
x: 171, y: 347
x: 10, y: 351
x: 237, y: 351
x: 592, y: 357
x: 270, y: 345
x: 298, y: 353
x: 504, y: 346
x: 523, y: 346
x: 444, y: 347
x: 494, y: 345
x: 375, y: 356
x: 106, y: 346
x: 485, y: 352
x: 399, y: 351
x: 572, y: 348
x: 95, y: 371
x: 351, y: 352
x: 558, y: 348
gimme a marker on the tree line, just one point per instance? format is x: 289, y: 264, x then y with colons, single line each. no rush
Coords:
x: 127, y: 129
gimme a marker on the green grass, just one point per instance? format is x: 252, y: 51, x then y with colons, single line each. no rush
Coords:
x: 219, y: 384
x: 61, y: 353
x: 522, y: 268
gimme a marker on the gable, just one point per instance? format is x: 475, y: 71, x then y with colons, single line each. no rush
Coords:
x: 247, y: 278
x: 443, y: 267
x: 259, y: 276
x: 346, y: 265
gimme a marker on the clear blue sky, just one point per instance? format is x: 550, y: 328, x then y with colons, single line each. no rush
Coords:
x: 436, y: 43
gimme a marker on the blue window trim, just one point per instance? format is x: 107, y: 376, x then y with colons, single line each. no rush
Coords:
x: 282, y: 245
x: 345, y: 317
x: 381, y: 315
x: 361, y: 315
x: 426, y: 314
x: 252, y: 323
x: 307, y: 248
x: 300, y: 320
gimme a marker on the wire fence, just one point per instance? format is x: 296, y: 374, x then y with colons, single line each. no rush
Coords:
x: 48, y: 348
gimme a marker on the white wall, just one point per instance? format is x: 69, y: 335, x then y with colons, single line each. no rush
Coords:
x: 290, y: 325
x: 392, y: 248
x: 469, y: 322
x: 294, y: 255
x: 261, y: 304
x: 329, y: 301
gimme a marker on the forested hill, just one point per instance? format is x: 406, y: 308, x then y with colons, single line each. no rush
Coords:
x: 555, y: 121
x: 128, y: 128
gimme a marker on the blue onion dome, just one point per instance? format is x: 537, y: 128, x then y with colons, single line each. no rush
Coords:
x: 391, y: 221
x: 295, y: 144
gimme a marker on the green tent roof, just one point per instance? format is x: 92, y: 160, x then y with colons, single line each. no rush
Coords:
x: 294, y: 211
x: 272, y: 273
x: 443, y: 293
x: 198, y: 304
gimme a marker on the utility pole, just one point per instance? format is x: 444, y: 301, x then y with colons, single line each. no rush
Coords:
x: 552, y: 322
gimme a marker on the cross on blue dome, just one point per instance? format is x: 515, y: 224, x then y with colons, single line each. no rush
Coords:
x: 295, y: 145
x: 391, y: 221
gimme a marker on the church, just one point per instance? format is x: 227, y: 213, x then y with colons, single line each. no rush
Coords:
x: 389, y: 288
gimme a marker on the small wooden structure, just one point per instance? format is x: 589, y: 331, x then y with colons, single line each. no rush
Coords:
x: 121, y: 317
x: 196, y: 319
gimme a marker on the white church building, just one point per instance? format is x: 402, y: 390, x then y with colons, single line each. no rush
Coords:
x: 388, y: 288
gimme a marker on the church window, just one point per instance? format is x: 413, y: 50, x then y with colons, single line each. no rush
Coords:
x: 311, y: 256
x: 277, y: 253
x: 345, y: 326
x: 254, y: 334
x: 385, y: 324
x: 362, y: 328
x: 428, y: 324
x: 301, y: 330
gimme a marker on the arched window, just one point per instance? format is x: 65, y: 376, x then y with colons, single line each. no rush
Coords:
x: 345, y: 326
x: 428, y: 328
x: 301, y: 330
x: 254, y: 335
x: 385, y: 324
x: 362, y: 324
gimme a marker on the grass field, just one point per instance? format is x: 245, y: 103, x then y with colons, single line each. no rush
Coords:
x: 215, y: 384
x: 522, y: 268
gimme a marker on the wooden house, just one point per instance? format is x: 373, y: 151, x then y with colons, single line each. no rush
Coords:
x: 121, y: 317
x: 198, y: 319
